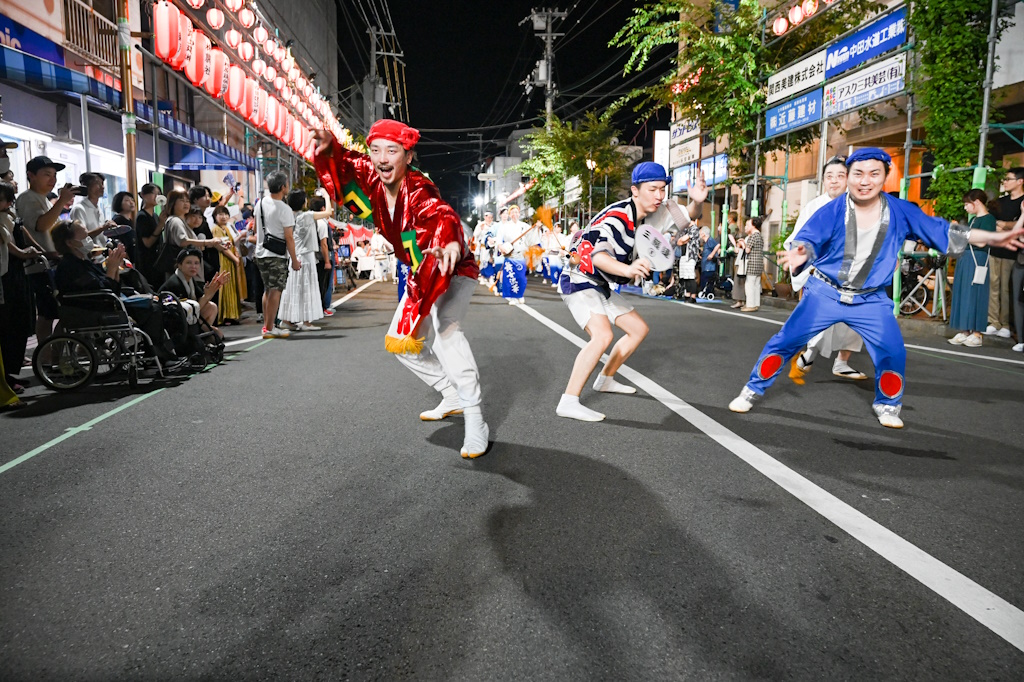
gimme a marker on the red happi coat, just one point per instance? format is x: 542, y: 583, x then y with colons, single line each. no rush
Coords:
x: 419, y: 211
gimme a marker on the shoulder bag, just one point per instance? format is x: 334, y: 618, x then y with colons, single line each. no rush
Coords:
x: 273, y: 244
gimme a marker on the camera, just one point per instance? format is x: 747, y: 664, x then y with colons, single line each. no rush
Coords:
x: 80, y: 191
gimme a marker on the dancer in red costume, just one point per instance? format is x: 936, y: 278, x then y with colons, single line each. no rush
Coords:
x: 427, y: 235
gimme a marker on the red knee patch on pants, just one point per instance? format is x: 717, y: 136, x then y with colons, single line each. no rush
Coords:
x: 890, y: 384
x: 769, y: 366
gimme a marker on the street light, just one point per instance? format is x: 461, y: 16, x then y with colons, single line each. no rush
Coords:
x: 592, y: 165
x: 478, y: 200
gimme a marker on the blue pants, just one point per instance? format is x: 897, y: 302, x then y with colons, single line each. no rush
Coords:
x: 513, y: 278
x: 869, y: 315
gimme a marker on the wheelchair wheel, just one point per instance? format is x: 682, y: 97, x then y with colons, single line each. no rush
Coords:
x: 914, y: 301
x: 110, y: 353
x: 64, y: 363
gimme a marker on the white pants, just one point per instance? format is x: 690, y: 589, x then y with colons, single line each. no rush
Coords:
x: 752, y: 289
x: 837, y: 337
x: 446, y: 359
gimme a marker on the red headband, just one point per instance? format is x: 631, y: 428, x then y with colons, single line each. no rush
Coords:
x: 393, y: 131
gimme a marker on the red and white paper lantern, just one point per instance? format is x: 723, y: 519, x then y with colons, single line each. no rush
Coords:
x: 197, y: 62
x: 166, y: 30
x: 215, y: 18
x: 217, y: 81
x: 235, y: 95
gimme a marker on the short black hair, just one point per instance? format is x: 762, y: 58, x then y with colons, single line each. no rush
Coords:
x: 195, y: 213
x: 117, y: 203
x: 149, y: 188
x: 1018, y: 172
x: 757, y: 221
x: 186, y: 252
x: 277, y: 181
x: 837, y: 159
x: 7, y: 192
x: 198, y: 192
x: 6, y: 173
x: 221, y: 209
x: 317, y: 203
x: 87, y: 179
x: 297, y: 199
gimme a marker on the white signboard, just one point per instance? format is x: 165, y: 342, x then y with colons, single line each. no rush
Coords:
x: 684, y: 153
x: 573, y: 189
x: 683, y: 130
x: 804, y: 75
x: 661, y: 147
x: 877, y: 82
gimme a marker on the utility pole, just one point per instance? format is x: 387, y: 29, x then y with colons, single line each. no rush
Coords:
x: 124, y: 35
x: 543, y: 25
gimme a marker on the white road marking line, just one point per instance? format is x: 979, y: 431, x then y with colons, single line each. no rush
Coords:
x: 352, y: 293
x: 333, y: 306
x: 748, y: 316
x: 989, y: 609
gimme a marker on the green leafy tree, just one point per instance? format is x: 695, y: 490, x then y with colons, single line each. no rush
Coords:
x: 951, y: 41
x: 720, y: 76
x: 564, y: 151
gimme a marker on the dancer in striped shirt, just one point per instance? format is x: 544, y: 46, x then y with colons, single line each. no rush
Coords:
x: 601, y: 254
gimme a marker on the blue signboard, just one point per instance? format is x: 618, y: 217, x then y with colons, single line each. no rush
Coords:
x: 794, y: 113
x: 716, y: 171
x: 876, y: 38
x: 17, y: 37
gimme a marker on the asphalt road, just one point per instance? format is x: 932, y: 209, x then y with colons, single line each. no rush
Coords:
x: 287, y: 516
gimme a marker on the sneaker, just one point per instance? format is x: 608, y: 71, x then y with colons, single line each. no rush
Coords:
x: 607, y: 384
x: 1018, y: 348
x: 1003, y: 333
x: 569, y: 406
x: 305, y: 327
x: 276, y: 333
x: 744, y: 401
x: 990, y: 330
x: 972, y: 341
x: 959, y: 339
x: 259, y: 318
x: 328, y: 312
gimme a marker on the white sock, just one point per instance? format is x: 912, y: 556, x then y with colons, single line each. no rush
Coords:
x: 569, y: 406
x: 608, y: 384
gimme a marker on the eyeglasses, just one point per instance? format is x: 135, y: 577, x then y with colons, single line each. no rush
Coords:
x: 1010, y: 178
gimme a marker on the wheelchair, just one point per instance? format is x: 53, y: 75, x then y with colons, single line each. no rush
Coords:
x: 98, y: 339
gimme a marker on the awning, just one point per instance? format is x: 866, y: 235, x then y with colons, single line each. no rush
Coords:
x: 19, y: 67
x: 187, y: 158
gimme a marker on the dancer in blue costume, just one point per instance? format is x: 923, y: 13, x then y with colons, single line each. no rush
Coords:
x: 852, y: 244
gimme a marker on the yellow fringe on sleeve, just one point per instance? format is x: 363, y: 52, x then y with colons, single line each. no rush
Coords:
x: 408, y: 344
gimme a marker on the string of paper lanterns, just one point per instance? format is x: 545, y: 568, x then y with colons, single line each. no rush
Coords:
x: 184, y: 47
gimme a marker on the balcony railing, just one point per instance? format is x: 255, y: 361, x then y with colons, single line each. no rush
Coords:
x: 90, y: 35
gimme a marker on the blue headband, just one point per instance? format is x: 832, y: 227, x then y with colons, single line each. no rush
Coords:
x: 648, y: 171
x: 867, y: 154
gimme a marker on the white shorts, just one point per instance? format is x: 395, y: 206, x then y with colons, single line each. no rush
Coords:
x: 583, y: 304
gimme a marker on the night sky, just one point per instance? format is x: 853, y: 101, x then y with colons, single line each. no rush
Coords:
x: 465, y: 60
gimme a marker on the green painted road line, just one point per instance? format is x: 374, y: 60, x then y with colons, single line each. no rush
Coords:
x: 74, y: 430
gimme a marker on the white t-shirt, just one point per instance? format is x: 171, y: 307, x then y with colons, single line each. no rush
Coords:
x: 306, y: 234
x: 865, y: 242
x: 6, y: 237
x: 30, y: 206
x: 379, y: 245
x: 509, y: 230
x: 278, y: 216
x: 90, y: 215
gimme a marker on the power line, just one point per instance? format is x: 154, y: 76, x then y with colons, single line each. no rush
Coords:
x: 570, y: 39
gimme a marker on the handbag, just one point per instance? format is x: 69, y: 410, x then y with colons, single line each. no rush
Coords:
x: 166, y: 257
x: 271, y: 243
x: 980, y: 271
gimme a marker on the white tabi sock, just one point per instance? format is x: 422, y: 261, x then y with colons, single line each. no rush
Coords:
x: 607, y: 384
x: 569, y: 406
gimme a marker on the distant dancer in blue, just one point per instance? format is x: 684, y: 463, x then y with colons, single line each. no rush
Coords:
x: 851, y: 244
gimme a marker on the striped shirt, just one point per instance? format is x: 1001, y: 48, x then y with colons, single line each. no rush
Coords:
x: 612, y: 231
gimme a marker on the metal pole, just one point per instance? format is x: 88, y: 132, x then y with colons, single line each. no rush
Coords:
x: 84, y: 105
x: 908, y: 147
x: 989, y: 68
x: 124, y: 36
x: 823, y: 149
x: 156, y: 123
x: 754, y: 208
x: 549, y: 56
